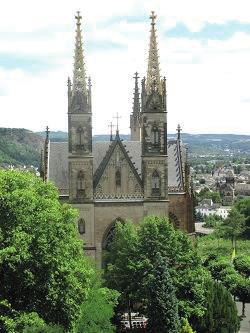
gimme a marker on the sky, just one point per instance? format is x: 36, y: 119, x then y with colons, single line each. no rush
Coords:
x: 204, y: 49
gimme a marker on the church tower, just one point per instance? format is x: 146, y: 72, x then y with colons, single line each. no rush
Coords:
x: 154, y: 133
x: 135, y: 117
x: 80, y: 157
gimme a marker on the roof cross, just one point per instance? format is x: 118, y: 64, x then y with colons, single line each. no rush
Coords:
x: 136, y: 76
x: 117, y: 117
x: 153, y: 17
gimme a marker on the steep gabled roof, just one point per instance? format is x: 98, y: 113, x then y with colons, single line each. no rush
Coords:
x: 99, y: 171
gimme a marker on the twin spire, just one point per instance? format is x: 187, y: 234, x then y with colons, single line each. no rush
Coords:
x: 153, y: 81
x: 79, y: 72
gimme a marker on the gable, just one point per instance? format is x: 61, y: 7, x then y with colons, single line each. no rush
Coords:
x: 116, y: 176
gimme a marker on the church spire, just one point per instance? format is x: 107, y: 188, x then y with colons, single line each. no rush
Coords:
x: 153, y: 81
x: 79, y: 73
x: 136, y: 104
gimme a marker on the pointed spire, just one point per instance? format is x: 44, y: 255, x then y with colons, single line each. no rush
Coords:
x: 136, y: 104
x: 153, y: 82
x: 79, y: 73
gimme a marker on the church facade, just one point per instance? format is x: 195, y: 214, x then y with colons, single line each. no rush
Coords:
x: 120, y: 180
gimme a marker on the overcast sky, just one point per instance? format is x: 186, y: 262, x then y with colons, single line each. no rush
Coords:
x: 204, y: 48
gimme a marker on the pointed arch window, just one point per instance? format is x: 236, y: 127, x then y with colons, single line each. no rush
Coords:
x: 155, y: 183
x: 118, y: 177
x: 79, y: 140
x: 80, y: 184
x: 155, y: 136
x: 81, y: 226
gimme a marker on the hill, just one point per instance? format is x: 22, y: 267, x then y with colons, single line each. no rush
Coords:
x: 22, y: 147
x: 19, y: 147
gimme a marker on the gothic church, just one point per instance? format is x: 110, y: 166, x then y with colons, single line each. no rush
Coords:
x: 120, y: 180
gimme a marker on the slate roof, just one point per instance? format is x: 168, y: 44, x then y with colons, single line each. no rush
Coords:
x: 58, y: 161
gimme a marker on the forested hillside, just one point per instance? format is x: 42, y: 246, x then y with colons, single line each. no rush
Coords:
x: 22, y: 147
x: 19, y: 147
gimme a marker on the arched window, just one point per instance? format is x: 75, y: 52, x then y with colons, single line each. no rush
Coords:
x: 155, y: 136
x: 79, y: 140
x: 80, y: 183
x: 118, y: 177
x: 155, y: 183
x: 81, y: 226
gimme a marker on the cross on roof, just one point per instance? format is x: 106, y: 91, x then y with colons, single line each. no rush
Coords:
x: 153, y: 17
x: 117, y: 117
x: 136, y: 76
x: 78, y: 17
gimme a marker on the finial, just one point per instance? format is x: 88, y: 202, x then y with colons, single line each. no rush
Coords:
x: 111, y: 130
x: 136, y: 104
x: 136, y: 77
x: 153, y: 17
x: 78, y: 18
x: 179, y: 131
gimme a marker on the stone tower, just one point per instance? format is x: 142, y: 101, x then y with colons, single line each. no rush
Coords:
x: 135, y: 117
x: 154, y: 133
x: 80, y: 158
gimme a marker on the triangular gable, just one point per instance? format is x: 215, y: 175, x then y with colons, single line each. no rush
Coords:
x: 109, y: 162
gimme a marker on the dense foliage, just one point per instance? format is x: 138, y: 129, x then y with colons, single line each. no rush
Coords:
x: 132, y: 258
x: 221, y: 312
x: 206, y: 193
x: 243, y: 207
x: 161, y: 302
x: 44, y: 276
x: 19, y: 147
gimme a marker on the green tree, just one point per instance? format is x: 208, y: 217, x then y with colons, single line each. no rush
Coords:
x: 97, y: 311
x: 157, y: 235
x: 162, y: 308
x: 243, y: 206
x: 233, y: 226
x: 44, y: 329
x: 242, y: 265
x: 121, y: 272
x: 42, y: 268
x: 221, y: 312
x: 133, y: 251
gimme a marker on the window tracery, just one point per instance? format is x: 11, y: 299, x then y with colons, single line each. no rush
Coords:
x: 80, y: 184
x: 155, y: 183
x: 118, y: 177
x: 81, y: 226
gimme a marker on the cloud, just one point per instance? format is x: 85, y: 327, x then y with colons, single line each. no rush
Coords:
x: 208, y: 77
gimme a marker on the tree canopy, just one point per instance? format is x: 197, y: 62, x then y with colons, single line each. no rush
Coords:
x: 130, y: 265
x: 45, y: 279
